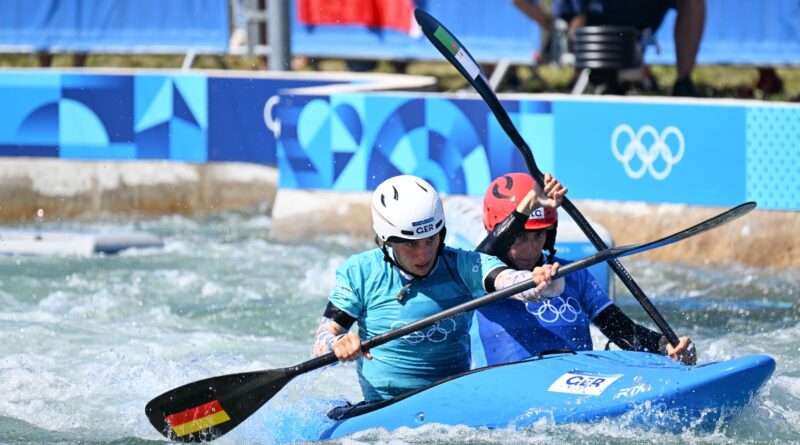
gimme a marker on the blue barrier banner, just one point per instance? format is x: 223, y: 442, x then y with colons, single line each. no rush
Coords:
x: 653, y: 152
x: 118, y: 25
x: 242, y: 117
x: 657, y: 152
x: 773, y: 156
x: 171, y: 117
x: 178, y: 116
x: 694, y: 152
x: 65, y: 115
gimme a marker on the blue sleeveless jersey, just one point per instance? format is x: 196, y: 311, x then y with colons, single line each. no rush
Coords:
x: 511, y: 330
x: 367, y: 287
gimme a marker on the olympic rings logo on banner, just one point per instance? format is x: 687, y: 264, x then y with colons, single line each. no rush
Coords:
x: 436, y: 333
x: 658, y: 149
x: 549, y: 311
x: 273, y: 124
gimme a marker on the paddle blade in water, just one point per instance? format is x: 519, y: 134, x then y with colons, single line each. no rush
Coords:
x: 204, y: 410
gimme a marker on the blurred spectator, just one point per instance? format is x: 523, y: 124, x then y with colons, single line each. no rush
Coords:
x: 546, y: 22
x: 768, y: 81
x: 544, y: 19
x: 648, y: 15
x: 767, y: 84
x: 46, y: 58
x: 361, y: 66
x: 645, y: 15
x: 237, y: 24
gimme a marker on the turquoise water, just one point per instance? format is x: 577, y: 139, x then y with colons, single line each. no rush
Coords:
x: 88, y: 341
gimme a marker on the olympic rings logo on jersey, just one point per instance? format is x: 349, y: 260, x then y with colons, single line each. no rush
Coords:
x: 437, y: 333
x: 549, y: 311
x: 658, y: 149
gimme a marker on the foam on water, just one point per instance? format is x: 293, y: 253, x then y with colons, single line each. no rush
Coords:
x: 87, y: 342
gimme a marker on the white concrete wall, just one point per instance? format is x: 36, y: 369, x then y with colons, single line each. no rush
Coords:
x: 761, y: 238
x: 54, y: 188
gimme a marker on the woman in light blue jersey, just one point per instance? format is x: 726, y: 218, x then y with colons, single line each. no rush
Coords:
x: 412, y: 275
x: 519, y: 231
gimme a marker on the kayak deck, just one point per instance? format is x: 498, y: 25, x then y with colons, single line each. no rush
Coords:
x: 648, y: 389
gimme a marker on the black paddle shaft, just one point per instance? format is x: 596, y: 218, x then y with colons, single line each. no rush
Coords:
x: 602, y: 256
x: 577, y: 216
x: 458, y: 56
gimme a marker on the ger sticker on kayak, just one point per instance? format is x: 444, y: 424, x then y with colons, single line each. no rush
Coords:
x: 577, y: 382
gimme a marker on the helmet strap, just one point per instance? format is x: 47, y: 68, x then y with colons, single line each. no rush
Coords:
x: 386, y: 257
x: 442, y: 235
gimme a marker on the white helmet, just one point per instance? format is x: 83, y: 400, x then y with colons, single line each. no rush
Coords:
x: 406, y: 207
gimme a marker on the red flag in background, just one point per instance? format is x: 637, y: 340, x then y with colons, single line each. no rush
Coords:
x: 391, y: 14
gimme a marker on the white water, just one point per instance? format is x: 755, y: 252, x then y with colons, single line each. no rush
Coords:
x: 87, y: 342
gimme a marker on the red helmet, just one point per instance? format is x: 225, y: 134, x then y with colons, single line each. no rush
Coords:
x: 504, y: 195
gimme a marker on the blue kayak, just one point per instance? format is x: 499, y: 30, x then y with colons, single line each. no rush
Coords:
x: 647, y: 389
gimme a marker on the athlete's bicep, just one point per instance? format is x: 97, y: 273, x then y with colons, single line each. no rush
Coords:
x: 342, y: 318
x: 489, y: 283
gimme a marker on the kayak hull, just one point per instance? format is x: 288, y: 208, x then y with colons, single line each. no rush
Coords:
x: 646, y: 389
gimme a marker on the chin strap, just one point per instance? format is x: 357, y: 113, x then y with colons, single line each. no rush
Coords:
x: 388, y: 258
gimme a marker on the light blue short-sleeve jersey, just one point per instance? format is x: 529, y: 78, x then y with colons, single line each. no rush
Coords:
x: 367, y: 288
x: 511, y: 330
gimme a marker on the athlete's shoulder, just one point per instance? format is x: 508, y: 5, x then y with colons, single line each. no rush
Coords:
x: 369, y: 260
x: 455, y: 251
x: 368, y: 255
x: 467, y: 255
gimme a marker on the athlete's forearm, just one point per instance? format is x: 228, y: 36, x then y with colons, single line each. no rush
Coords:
x: 620, y: 329
x: 327, y: 332
x: 510, y: 277
x: 499, y: 240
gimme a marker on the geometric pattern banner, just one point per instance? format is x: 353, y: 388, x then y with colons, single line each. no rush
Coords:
x: 657, y: 151
x: 171, y: 117
x: 355, y: 141
x: 179, y: 116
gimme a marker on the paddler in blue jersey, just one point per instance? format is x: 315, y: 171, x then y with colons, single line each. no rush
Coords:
x: 521, y: 219
x: 412, y: 275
